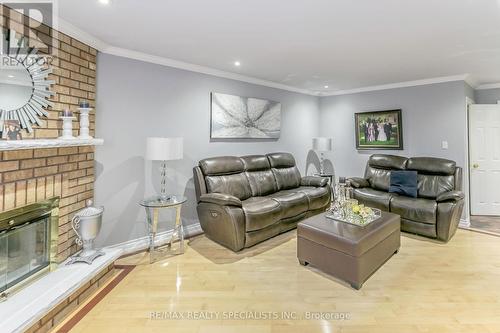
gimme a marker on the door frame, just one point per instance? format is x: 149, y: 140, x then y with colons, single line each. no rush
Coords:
x: 465, y: 221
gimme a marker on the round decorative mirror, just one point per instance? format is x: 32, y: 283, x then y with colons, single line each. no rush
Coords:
x: 24, y: 88
x: 16, y: 86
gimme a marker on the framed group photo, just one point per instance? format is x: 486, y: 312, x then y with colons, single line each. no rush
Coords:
x: 10, y: 130
x: 379, y: 130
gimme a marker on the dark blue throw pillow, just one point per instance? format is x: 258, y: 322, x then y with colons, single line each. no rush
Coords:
x: 404, y: 183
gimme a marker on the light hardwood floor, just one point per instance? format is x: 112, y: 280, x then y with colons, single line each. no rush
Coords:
x: 486, y: 223
x: 426, y: 287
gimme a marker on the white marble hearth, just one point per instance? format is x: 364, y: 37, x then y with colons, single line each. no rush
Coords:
x: 26, y: 307
x: 48, y: 143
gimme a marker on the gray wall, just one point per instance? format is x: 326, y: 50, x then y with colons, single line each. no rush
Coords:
x: 136, y: 100
x: 431, y: 114
x: 487, y: 96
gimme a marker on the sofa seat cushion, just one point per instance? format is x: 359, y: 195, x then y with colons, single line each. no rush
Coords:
x: 415, y: 209
x: 317, y: 197
x: 373, y: 198
x: 260, y: 212
x: 292, y: 203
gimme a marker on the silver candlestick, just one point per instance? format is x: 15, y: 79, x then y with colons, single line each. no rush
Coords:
x: 84, y: 123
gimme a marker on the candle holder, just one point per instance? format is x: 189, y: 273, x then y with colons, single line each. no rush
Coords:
x: 67, y: 131
x: 84, y: 123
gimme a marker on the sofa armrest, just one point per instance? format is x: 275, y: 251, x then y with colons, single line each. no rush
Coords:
x: 358, y: 182
x: 314, y: 181
x: 221, y: 199
x: 450, y: 196
x: 448, y: 217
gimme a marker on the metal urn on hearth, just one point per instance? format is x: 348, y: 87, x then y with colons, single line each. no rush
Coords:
x: 87, y: 224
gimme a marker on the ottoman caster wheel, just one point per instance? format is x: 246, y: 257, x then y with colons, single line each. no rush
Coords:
x: 303, y: 263
x: 356, y: 286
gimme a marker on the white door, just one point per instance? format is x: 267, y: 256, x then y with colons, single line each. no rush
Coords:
x: 484, y: 149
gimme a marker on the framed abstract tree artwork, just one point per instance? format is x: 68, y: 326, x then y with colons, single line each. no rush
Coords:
x: 235, y: 117
x: 379, y: 130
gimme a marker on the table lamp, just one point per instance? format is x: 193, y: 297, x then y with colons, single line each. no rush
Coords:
x: 322, y: 145
x: 164, y: 149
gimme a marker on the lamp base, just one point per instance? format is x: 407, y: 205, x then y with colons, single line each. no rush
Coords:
x: 165, y: 197
x: 322, y: 164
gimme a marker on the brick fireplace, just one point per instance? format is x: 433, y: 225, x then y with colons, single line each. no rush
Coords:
x: 33, y: 175
x: 39, y: 168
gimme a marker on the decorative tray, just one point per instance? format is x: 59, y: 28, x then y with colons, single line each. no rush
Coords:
x: 355, y: 219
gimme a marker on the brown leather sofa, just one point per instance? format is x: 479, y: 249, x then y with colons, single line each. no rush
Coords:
x: 438, y: 207
x: 245, y: 200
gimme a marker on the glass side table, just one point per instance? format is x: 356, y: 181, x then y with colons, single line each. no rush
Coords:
x: 153, y: 206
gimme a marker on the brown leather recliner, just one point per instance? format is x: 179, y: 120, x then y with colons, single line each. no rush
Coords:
x: 245, y: 200
x: 438, y: 207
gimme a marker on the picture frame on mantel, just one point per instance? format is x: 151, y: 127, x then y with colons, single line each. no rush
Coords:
x: 10, y: 130
x: 379, y: 130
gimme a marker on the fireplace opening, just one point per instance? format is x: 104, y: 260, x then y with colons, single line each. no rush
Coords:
x: 28, y: 244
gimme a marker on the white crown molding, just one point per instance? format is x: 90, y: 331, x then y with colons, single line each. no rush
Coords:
x: 462, y: 77
x: 69, y: 29
x: 488, y: 86
x: 471, y: 81
x: 131, y: 54
x: 77, y: 33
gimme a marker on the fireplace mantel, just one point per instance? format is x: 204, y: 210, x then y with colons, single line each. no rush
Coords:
x: 48, y: 143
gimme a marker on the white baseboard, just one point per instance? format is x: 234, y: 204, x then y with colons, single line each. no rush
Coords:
x: 464, y: 223
x: 142, y: 243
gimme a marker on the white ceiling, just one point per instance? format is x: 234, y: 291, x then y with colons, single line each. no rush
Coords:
x: 307, y: 44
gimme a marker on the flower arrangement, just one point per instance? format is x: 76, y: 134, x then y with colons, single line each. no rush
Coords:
x: 359, y: 214
x: 361, y: 210
x: 349, y: 210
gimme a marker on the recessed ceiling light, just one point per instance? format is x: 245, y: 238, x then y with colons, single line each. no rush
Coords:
x: 11, y: 76
x: 237, y: 63
x: 326, y: 87
x: 104, y: 2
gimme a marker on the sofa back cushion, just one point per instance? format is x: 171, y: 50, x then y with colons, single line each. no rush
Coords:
x: 222, y: 165
x: 226, y: 174
x: 432, y: 166
x: 435, y: 175
x: 378, y: 170
x: 259, y: 174
x: 285, y: 171
x: 431, y: 186
x: 379, y: 179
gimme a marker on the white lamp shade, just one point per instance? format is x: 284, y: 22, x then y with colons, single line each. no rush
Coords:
x: 322, y: 144
x: 164, y: 149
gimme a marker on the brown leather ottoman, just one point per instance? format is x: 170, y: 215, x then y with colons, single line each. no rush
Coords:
x: 346, y: 251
